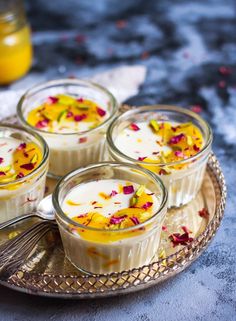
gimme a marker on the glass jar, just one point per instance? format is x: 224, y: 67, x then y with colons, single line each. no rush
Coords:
x: 23, y: 194
x: 182, y: 178
x: 101, y: 251
x: 15, y: 41
x: 69, y: 151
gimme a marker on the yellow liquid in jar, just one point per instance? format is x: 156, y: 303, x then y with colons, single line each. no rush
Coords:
x: 15, y: 53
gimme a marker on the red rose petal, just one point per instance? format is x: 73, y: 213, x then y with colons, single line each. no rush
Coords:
x: 79, y: 117
x: 2, y: 174
x: 69, y: 114
x: 178, y: 153
x: 113, y: 193
x: 52, y: 100
x: 196, y: 108
x: 204, y: 213
x: 83, y: 140
x: 225, y: 70
x: 101, y: 112
x: 42, y: 123
x: 147, y: 205
x: 180, y: 239
x: 117, y: 220
x: 197, y: 149
x: 21, y: 146
x: 28, y: 166
x: 80, y: 100
x: 134, y: 127
x: 141, y: 158
x: 135, y: 220
x: 128, y: 189
x: 20, y: 175
x: 176, y: 139
x: 1, y: 160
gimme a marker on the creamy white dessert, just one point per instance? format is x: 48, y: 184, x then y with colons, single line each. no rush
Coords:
x: 164, y: 147
x: 71, y: 127
x: 20, y: 188
x: 111, y: 236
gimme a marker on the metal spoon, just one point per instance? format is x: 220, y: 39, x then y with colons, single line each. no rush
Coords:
x: 44, y: 210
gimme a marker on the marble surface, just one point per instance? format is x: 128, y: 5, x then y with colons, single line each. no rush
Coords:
x: 184, y: 46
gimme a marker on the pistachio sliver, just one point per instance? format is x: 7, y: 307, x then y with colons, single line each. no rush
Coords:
x: 5, y: 169
x: 133, y: 201
x: 62, y: 116
x: 154, y: 124
x: 34, y: 158
x: 140, y: 190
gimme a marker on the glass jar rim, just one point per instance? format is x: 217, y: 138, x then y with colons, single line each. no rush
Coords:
x: 67, y: 81
x: 72, y: 174
x: 43, y: 144
x: 149, y: 108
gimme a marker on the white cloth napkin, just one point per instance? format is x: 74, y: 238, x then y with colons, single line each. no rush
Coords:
x: 123, y: 82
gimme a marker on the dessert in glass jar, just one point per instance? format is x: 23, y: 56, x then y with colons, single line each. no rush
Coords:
x: 72, y: 115
x: 110, y: 216
x: 172, y: 142
x: 23, y: 169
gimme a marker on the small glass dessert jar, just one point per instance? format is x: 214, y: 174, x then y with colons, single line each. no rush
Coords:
x: 172, y: 142
x: 15, y: 41
x: 110, y: 216
x: 72, y: 115
x: 23, y: 169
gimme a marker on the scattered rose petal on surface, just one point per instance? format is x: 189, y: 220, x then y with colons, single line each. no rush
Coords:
x: 2, y: 174
x: 147, y: 205
x: 113, y: 193
x: 28, y: 166
x: 78, y: 118
x: 42, y: 123
x: 101, y: 112
x: 52, y: 100
x: 20, y: 175
x: 196, y: 108
x: 21, y: 146
x: 83, y: 140
x: 142, y: 158
x: 176, y: 139
x: 180, y: 239
x: 128, y: 189
x: 204, y: 213
x: 1, y: 160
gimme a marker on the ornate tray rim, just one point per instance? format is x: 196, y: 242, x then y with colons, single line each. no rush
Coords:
x: 39, y: 284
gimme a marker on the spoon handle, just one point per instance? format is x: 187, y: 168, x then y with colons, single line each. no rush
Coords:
x: 18, y: 219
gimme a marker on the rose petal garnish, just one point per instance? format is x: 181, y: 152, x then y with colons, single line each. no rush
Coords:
x: 179, y: 153
x: 101, y: 112
x: 225, y: 70
x: 20, y: 175
x: 134, y: 127
x: 147, y: 205
x: 176, y: 139
x: 2, y: 173
x: 135, y: 220
x: 52, y: 100
x: 28, y: 166
x: 197, y: 149
x: 62, y: 116
x: 69, y: 114
x: 180, y: 239
x: 128, y: 189
x: 113, y: 193
x: 142, y: 158
x: 1, y: 160
x: 82, y: 215
x: 21, y: 146
x: 80, y: 100
x: 164, y: 228
x: 80, y: 117
x: 204, y: 213
x: 117, y: 220
x: 162, y: 171
x: 83, y: 140
x: 185, y: 229
x: 196, y: 108
x: 42, y: 123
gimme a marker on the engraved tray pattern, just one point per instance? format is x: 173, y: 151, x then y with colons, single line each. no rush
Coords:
x: 48, y: 273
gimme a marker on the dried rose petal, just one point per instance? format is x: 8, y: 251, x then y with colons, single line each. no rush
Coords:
x: 222, y: 84
x: 135, y: 220
x: 162, y: 171
x: 134, y: 127
x: 21, y: 146
x: 20, y: 175
x: 147, y: 205
x: 164, y: 228
x: 197, y: 149
x: 28, y: 166
x: 113, y: 193
x: 128, y: 189
x: 117, y: 220
x: 196, y: 109
x: 180, y: 239
x: 179, y: 153
x: 42, y: 123
x: 80, y: 117
x: 176, y: 139
x: 101, y: 112
x: 142, y: 158
x: 1, y: 160
x: 83, y: 140
x: 52, y: 100
x: 80, y: 100
x: 82, y: 215
x: 2, y: 174
x: 204, y: 213
x: 69, y: 114
x: 185, y: 229
x: 225, y: 70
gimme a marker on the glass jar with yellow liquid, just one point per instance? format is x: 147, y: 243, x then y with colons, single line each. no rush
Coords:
x: 15, y: 41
